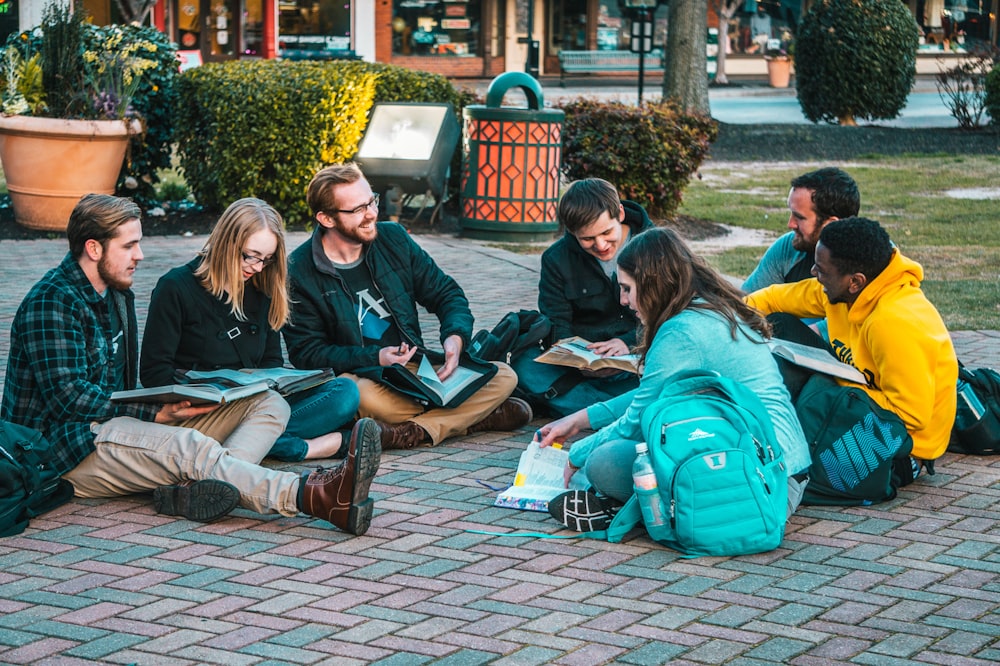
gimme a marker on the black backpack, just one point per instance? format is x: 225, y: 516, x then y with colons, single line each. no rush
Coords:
x: 860, y: 452
x: 28, y: 485
x: 978, y: 432
x: 516, y: 332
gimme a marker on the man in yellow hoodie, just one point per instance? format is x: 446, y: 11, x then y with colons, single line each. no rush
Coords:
x: 881, y: 323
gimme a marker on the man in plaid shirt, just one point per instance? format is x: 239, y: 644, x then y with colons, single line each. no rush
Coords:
x: 74, y: 341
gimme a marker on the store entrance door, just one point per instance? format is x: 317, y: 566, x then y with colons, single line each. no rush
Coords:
x: 210, y: 27
x: 516, y: 40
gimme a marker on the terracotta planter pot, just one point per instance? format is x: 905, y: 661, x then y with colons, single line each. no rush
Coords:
x: 779, y: 72
x: 51, y: 162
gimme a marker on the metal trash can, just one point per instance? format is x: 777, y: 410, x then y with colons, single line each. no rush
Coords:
x: 510, y: 165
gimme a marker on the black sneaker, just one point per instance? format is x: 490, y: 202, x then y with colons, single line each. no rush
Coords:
x: 203, y: 501
x: 582, y: 511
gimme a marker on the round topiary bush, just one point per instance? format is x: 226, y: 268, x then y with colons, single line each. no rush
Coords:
x: 855, y: 59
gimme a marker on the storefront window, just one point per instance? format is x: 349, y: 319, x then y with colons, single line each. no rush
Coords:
x: 253, y: 27
x: 430, y: 27
x: 759, y: 21
x: 314, y: 25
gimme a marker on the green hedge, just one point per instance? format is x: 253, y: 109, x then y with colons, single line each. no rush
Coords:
x: 263, y: 128
x: 649, y: 152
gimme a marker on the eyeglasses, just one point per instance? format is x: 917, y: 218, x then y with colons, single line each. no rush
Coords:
x: 373, y: 202
x: 251, y: 260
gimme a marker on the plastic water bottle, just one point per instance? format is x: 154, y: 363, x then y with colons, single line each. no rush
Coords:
x: 970, y: 408
x: 644, y: 479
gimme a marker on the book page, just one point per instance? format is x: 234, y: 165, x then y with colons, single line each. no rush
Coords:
x: 816, y: 359
x: 450, y: 387
x: 539, y: 478
x: 196, y: 394
x: 573, y: 352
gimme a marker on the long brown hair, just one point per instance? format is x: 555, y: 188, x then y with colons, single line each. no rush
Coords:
x: 670, y: 278
x: 221, y: 268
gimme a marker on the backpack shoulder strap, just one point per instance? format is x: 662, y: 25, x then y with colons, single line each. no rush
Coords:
x: 627, y: 517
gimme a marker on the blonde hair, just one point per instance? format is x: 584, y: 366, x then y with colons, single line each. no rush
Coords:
x: 221, y: 268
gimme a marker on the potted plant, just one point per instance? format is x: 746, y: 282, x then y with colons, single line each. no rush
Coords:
x: 779, y: 59
x: 67, y: 89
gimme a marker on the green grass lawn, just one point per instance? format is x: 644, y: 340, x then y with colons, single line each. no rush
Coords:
x: 956, y: 240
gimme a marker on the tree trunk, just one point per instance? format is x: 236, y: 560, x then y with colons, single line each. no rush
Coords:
x: 725, y: 10
x: 686, y: 79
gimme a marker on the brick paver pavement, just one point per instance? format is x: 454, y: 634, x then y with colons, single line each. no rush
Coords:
x: 914, y: 580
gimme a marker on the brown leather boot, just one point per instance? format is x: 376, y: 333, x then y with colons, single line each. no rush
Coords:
x: 340, y: 495
x: 405, y: 435
x: 512, y: 413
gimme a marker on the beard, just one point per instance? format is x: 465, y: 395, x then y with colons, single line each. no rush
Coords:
x: 113, y: 281
x: 357, y: 233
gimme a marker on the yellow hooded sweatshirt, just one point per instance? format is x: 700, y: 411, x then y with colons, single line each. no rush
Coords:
x: 893, y: 335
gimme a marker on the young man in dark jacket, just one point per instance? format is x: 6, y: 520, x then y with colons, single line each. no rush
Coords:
x: 578, y: 291
x: 355, y: 288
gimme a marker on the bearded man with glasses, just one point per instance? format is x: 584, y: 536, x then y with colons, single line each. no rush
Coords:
x: 355, y: 286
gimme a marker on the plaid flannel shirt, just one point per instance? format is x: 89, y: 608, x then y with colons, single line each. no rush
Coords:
x: 60, y: 370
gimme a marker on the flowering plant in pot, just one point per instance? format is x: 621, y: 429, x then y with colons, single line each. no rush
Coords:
x: 779, y: 54
x: 68, y: 86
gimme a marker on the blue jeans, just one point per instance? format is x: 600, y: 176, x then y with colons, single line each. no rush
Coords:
x: 315, y: 412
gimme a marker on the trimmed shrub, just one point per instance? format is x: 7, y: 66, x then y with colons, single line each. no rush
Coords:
x: 263, y: 128
x: 855, y: 59
x: 993, y: 94
x: 649, y: 152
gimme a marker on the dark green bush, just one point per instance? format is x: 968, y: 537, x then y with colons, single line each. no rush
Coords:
x: 855, y: 59
x: 648, y: 152
x: 993, y: 94
x: 263, y: 128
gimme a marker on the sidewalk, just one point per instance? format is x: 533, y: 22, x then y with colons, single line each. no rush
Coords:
x: 914, y: 580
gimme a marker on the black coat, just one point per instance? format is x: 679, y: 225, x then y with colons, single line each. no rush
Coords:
x: 324, y: 330
x: 190, y: 329
x: 576, y: 295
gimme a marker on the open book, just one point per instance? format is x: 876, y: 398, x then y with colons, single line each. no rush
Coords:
x: 539, y: 479
x: 449, y: 388
x: 424, y: 385
x: 285, y: 381
x: 573, y: 352
x: 816, y: 359
x: 196, y: 394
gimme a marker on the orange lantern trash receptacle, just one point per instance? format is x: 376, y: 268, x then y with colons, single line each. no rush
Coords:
x: 510, y: 164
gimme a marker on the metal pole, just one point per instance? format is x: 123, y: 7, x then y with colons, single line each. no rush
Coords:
x: 642, y: 19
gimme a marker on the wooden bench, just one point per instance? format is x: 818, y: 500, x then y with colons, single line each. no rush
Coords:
x: 586, y: 62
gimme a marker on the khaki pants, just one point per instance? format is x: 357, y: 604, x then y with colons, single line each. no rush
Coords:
x: 133, y: 456
x: 382, y: 403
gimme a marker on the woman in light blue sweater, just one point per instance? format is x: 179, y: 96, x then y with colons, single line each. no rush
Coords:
x: 692, y: 318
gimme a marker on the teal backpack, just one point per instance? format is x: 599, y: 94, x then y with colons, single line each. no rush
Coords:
x: 719, y: 470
